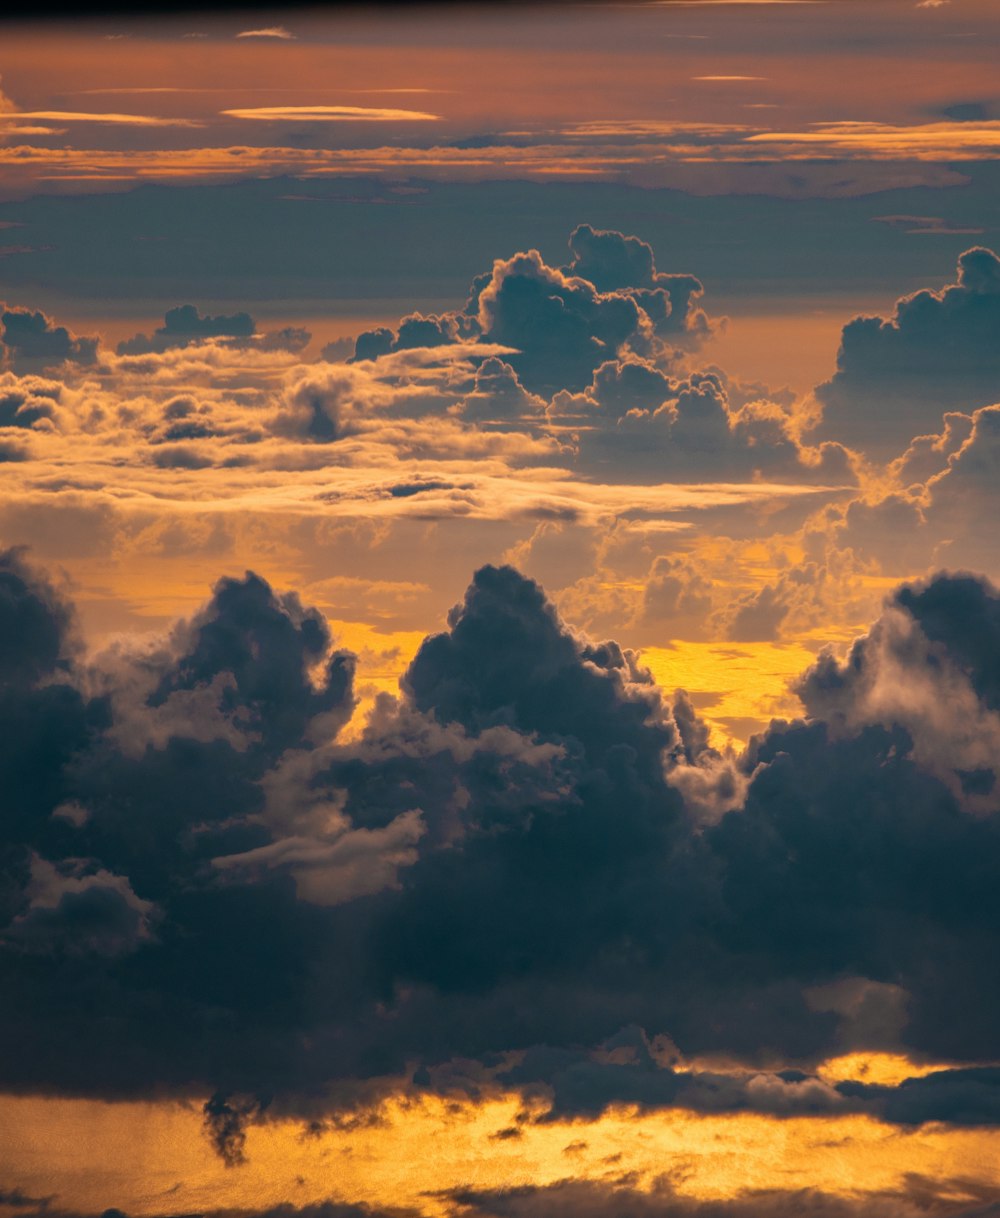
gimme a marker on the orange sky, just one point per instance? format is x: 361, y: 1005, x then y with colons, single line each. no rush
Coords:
x: 724, y: 474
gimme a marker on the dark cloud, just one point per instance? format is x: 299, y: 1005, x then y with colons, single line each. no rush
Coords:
x: 31, y: 342
x: 414, y: 331
x: 914, y: 1197
x: 512, y: 878
x: 635, y: 416
x: 35, y: 624
x: 226, y: 1119
x: 185, y: 325
x: 564, y: 322
x: 939, y: 351
x: 561, y: 327
x: 29, y: 402
x: 968, y: 111
x: 498, y: 397
x: 268, y: 645
x: 79, y: 911
x: 613, y: 262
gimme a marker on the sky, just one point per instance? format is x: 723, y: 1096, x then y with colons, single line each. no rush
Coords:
x: 499, y: 612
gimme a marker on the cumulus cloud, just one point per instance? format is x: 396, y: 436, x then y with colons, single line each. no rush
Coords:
x: 677, y: 597
x: 31, y: 342
x: 612, y: 261
x: 185, y: 324
x: 940, y: 508
x: 561, y: 323
x: 938, y: 352
x: 635, y: 416
x: 276, y: 909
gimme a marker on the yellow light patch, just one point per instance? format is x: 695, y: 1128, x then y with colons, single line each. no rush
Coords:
x: 154, y: 1158
x: 887, y: 1069
x: 737, y: 687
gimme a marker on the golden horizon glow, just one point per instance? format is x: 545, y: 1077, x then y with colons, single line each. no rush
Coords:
x: 420, y: 1150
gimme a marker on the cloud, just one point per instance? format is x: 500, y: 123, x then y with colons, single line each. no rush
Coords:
x: 937, y: 352
x: 925, y: 225
x: 922, y: 668
x: 615, y: 262
x: 79, y: 911
x: 271, y: 31
x: 528, y: 813
x: 896, y: 159
x: 634, y: 416
x: 878, y: 141
x: 331, y: 114
x: 498, y: 397
x: 914, y: 1197
x: 35, y: 624
x: 183, y: 325
x: 560, y: 324
x: 84, y: 116
x: 226, y: 1118
x: 31, y: 342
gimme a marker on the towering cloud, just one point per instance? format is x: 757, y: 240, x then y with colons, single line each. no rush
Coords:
x: 562, y: 323
x: 509, y: 865
x: 939, y: 351
x: 613, y: 262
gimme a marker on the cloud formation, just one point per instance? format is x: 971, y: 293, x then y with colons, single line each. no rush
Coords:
x: 268, y: 909
x: 328, y: 114
x: 560, y: 324
x: 31, y: 342
x: 939, y: 351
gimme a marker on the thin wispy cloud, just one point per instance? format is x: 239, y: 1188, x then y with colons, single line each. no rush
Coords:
x: 610, y: 128
x: 271, y: 31
x: 82, y: 116
x: 328, y: 114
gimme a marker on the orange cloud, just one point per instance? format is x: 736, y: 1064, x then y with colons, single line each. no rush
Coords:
x: 327, y: 114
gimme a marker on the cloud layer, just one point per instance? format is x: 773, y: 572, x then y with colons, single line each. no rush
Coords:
x: 258, y: 906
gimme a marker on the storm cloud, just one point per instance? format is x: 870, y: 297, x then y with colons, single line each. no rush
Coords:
x: 240, y: 893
